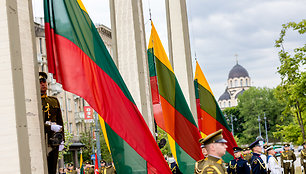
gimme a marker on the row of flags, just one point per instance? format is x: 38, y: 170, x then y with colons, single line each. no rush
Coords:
x: 79, y: 60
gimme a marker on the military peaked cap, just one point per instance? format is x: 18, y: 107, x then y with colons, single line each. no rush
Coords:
x: 215, y: 137
x: 43, y: 75
x: 237, y: 149
x: 287, y: 145
x: 255, y: 143
x: 269, y: 148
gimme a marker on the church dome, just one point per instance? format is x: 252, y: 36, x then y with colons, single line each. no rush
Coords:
x: 238, y: 71
x: 239, y: 93
x: 225, y: 96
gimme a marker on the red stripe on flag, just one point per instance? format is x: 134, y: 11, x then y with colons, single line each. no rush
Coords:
x: 177, y: 126
x: 85, y: 78
x: 209, y: 125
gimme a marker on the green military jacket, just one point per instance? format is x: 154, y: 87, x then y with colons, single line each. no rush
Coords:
x: 71, y: 172
x: 52, y: 113
x: 107, y: 170
x: 287, y: 159
x: 303, y: 157
x: 211, y: 165
x: 89, y: 170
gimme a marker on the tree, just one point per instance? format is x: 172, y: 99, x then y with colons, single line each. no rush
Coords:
x: 259, y: 102
x: 292, y: 88
x: 89, y: 142
x: 238, y: 121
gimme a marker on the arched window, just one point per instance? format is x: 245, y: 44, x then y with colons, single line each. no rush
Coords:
x: 224, y: 104
x: 236, y: 83
x: 229, y: 103
x: 246, y: 82
x: 241, y: 82
x: 231, y: 83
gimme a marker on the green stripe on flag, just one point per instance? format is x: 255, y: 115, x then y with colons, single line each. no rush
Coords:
x: 171, y: 91
x: 123, y: 163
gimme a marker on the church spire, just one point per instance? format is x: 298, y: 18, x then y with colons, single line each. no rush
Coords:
x: 236, y: 55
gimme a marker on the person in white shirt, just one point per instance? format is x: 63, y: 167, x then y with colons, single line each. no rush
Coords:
x: 273, y: 165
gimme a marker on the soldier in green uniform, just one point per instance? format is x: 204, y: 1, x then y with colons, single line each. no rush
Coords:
x: 53, y: 124
x: 216, y: 148
x: 287, y: 160
x: 88, y: 169
x: 303, y: 157
x: 71, y: 169
x: 247, y: 154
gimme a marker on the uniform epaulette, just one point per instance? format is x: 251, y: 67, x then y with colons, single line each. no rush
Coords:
x: 108, y: 167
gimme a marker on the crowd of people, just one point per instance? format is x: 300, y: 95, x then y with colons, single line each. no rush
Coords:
x: 255, y: 159
x: 88, y: 168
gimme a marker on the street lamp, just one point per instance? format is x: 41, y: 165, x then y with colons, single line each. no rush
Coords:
x: 267, y: 138
x: 232, y: 123
x: 259, y: 126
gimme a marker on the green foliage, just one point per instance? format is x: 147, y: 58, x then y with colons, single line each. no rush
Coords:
x: 292, y: 89
x: 257, y: 102
x: 89, y: 142
x: 238, y: 121
x: 162, y: 134
x: 67, y: 144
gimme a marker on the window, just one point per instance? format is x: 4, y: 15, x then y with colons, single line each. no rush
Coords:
x: 246, y: 82
x: 236, y: 83
x: 224, y: 104
x: 241, y: 82
x: 69, y: 104
x: 70, y: 127
x: 75, y: 106
x: 40, y: 46
x: 231, y: 84
x: 229, y: 103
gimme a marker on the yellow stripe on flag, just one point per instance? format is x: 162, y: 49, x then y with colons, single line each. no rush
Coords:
x: 82, y: 5
x: 102, y: 123
x: 172, y: 147
x: 199, y: 75
x: 81, y: 160
x: 159, y: 50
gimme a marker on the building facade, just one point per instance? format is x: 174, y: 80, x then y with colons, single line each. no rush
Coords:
x: 237, y: 82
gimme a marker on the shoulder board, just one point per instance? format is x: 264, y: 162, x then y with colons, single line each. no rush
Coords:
x: 219, y: 161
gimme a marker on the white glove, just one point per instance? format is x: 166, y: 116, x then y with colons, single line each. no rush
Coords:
x: 56, y: 128
x: 61, y: 146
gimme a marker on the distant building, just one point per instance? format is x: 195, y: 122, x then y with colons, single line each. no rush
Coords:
x: 238, y: 81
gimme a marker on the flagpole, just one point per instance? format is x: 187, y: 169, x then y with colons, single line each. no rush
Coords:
x: 97, y: 130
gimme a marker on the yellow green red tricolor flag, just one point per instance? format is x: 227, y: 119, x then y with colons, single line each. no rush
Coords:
x: 210, y: 116
x: 171, y: 110
x: 81, y: 164
x: 79, y: 60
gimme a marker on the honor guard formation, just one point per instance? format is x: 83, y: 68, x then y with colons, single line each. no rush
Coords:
x: 255, y: 159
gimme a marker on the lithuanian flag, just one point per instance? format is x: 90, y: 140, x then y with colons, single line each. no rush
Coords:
x: 210, y: 116
x: 173, y: 114
x: 80, y: 61
x: 81, y: 164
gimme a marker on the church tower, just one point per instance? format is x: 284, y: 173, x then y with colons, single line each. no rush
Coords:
x: 238, y: 81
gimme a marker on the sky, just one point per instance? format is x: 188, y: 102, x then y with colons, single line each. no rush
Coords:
x: 220, y: 29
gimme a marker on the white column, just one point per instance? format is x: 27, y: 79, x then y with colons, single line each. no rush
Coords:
x: 179, y: 49
x: 129, y: 52
x: 15, y: 151
x: 31, y: 86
